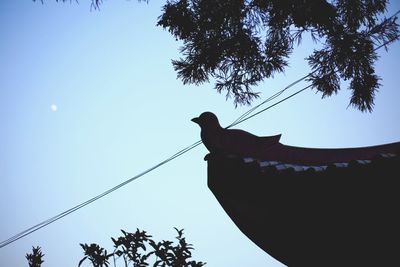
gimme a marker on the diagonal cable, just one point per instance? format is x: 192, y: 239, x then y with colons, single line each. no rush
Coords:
x: 242, y: 118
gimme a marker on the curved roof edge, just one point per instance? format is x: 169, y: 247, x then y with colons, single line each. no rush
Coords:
x: 303, y: 156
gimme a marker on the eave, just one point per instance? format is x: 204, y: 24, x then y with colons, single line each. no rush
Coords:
x: 341, y: 213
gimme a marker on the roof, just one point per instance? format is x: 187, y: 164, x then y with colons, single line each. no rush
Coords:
x: 321, y: 156
x: 273, y: 165
x: 331, y: 208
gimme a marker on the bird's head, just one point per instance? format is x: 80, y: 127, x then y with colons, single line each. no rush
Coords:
x: 206, y: 120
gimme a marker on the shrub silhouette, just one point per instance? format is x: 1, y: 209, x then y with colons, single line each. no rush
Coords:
x: 35, y: 259
x: 135, y: 249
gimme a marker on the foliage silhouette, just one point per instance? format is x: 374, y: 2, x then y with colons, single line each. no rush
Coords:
x: 239, y: 43
x: 133, y: 248
x: 136, y: 249
x: 98, y: 256
x: 35, y: 259
x: 94, y: 4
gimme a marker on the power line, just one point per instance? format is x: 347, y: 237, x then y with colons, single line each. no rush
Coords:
x: 179, y: 153
x: 77, y: 207
x: 273, y: 105
x: 244, y: 117
x: 247, y: 113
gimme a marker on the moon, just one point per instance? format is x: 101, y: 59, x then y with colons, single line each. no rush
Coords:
x: 53, y: 107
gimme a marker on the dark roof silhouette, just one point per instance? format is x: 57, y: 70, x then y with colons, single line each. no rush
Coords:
x: 314, y: 207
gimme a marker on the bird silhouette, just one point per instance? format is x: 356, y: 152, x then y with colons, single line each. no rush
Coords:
x: 236, y: 142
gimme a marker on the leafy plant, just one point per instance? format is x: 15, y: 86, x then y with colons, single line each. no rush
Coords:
x: 240, y: 43
x: 138, y: 249
x: 35, y: 259
x: 243, y: 42
x: 96, y: 254
x: 130, y: 246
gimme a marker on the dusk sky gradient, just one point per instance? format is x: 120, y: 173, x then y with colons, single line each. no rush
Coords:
x: 119, y: 110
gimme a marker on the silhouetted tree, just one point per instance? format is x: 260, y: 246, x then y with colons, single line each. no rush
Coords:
x: 35, y: 259
x: 242, y: 42
x: 94, y: 4
x: 134, y: 248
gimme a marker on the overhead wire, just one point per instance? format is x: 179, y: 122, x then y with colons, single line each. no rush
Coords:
x: 244, y: 117
x: 247, y: 113
x: 77, y: 207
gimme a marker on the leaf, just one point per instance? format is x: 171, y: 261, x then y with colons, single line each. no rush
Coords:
x: 157, y: 263
x: 82, y: 260
x: 116, y: 242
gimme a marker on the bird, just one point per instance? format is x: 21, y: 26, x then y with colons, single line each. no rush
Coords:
x: 219, y: 140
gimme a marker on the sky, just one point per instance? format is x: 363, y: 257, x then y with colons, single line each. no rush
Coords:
x: 89, y: 99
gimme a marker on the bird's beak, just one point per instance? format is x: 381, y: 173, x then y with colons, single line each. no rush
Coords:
x: 196, y: 120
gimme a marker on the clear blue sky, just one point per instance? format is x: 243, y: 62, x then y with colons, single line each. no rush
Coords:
x: 121, y: 110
